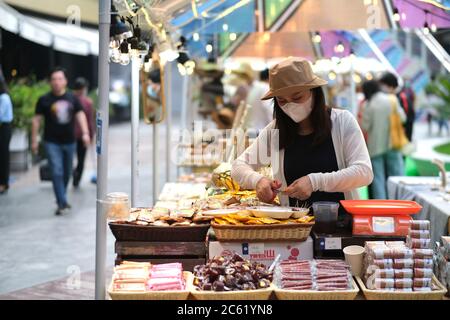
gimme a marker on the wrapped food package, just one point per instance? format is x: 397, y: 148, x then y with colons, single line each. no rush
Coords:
x: 423, y: 263
x: 403, y: 283
x: 383, y: 263
x: 422, y: 282
x: 419, y: 225
x: 423, y: 253
x: 381, y: 284
x: 403, y: 263
x: 419, y: 234
x: 403, y: 273
x: 418, y: 243
x: 423, y: 273
x: 402, y: 253
x: 384, y: 273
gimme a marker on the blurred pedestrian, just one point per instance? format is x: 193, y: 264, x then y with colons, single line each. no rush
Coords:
x: 406, y: 97
x: 386, y: 161
x: 59, y: 109
x: 6, y: 118
x: 80, y: 91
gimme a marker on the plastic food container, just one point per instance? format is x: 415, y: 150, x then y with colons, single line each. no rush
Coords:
x: 117, y: 206
x: 325, y: 215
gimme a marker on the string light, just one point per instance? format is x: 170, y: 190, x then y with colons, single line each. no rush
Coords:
x: 426, y: 28
x: 332, y: 76
x: 317, y: 38
x: 209, y: 48
x: 233, y: 36
x: 225, y: 27
x: 196, y: 37
x: 339, y: 48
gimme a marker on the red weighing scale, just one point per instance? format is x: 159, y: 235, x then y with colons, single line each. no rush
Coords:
x: 381, y: 217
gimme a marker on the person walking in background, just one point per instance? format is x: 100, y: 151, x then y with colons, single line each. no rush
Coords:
x: 406, y: 97
x: 80, y: 91
x: 386, y: 161
x: 60, y: 109
x: 6, y: 118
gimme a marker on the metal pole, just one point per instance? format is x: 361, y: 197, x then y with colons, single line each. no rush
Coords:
x: 390, y: 14
x: 134, y: 131
x: 353, y: 103
x: 102, y: 147
x: 155, y: 162
x: 168, y: 93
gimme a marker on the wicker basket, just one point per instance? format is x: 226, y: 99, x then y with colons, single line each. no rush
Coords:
x: 129, y: 232
x: 261, y: 294
x: 274, y: 232
x: 350, y: 294
x: 390, y: 295
x: 155, y: 295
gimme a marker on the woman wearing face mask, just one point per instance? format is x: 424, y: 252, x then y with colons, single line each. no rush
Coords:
x: 316, y: 153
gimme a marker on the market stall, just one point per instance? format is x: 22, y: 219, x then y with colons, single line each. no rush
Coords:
x: 213, y: 240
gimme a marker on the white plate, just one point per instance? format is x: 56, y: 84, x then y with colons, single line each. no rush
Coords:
x: 219, y: 212
x: 300, y: 212
x: 272, y: 212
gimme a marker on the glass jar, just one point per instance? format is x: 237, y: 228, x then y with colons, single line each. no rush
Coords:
x: 117, y: 206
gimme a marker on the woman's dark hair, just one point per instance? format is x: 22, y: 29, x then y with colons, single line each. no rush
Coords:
x: 389, y: 79
x: 369, y: 89
x: 320, y: 117
x: 3, y: 86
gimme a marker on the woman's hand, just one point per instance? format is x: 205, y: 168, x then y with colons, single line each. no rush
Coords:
x: 265, y: 189
x: 300, y: 189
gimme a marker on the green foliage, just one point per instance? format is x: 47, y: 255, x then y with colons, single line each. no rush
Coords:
x: 441, y: 88
x: 24, y: 95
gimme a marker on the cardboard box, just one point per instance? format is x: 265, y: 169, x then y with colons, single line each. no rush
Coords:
x: 265, y: 252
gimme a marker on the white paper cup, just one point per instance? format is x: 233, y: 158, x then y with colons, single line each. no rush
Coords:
x: 354, y: 258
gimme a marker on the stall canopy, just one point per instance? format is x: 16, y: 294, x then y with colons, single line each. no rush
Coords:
x: 61, y: 36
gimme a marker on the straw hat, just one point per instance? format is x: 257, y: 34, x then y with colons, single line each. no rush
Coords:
x: 290, y: 76
x: 245, y: 70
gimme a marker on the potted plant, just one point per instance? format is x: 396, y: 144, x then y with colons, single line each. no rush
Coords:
x: 24, y: 95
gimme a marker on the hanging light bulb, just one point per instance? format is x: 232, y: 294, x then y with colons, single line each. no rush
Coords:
x: 332, y: 76
x: 225, y: 27
x: 339, y: 48
x: 233, y: 36
x: 166, y: 52
x: 357, y: 78
x: 114, y: 44
x: 396, y: 15
x: 196, y: 36
x: 426, y: 29
x: 403, y: 16
x: 118, y: 29
x: 317, y: 38
x: 115, y: 55
x: 124, y: 54
x: 209, y: 48
x: 433, y: 27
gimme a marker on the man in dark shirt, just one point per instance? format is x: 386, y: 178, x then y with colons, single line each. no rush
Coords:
x: 60, y: 109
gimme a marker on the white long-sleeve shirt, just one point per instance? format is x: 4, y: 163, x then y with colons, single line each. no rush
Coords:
x: 355, y: 168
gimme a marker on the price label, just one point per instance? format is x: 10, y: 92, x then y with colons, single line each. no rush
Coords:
x: 256, y: 248
x: 333, y: 244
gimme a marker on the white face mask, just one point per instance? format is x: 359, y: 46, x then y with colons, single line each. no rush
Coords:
x: 298, y: 111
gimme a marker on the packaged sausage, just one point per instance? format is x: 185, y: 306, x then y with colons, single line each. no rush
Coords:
x: 423, y: 273
x: 419, y: 225
x: 422, y: 282
x: 403, y: 263
x: 403, y: 253
x: 419, y: 234
x: 403, y: 273
x: 403, y: 283
x: 423, y: 263
x: 384, y: 273
x: 384, y: 284
x: 423, y: 253
x: 418, y: 243
x: 383, y: 263
x: 381, y: 253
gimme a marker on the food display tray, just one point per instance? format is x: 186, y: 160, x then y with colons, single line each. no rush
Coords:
x: 392, y: 295
x: 258, y: 233
x: 130, y: 232
x: 349, y: 294
x: 155, y: 295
